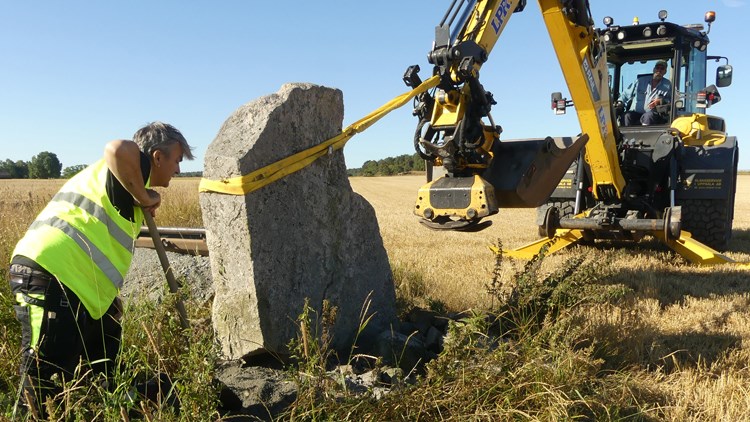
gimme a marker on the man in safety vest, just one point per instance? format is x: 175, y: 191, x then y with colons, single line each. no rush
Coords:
x: 67, y: 270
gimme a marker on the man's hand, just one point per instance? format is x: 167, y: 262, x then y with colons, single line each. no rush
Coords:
x: 655, y: 102
x: 151, y: 202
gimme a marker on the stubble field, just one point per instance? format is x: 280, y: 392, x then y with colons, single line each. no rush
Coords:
x: 682, y: 333
x: 685, y: 330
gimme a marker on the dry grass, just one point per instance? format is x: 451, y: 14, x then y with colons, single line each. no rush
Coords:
x: 680, y: 338
x: 684, y: 333
x: 180, y: 207
x: 21, y: 200
x: 455, y: 266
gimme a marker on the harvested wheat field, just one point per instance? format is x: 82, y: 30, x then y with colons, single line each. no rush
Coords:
x: 660, y: 340
x: 456, y: 265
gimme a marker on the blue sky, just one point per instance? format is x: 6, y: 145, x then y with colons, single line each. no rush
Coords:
x: 76, y: 74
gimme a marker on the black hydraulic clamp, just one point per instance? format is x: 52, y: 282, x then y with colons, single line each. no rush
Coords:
x: 411, y: 77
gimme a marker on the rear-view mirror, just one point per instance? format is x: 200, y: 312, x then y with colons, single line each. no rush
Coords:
x: 724, y: 75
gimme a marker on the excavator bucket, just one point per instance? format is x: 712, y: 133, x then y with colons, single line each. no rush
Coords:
x: 525, y: 172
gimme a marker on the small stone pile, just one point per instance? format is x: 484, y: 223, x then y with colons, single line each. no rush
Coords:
x: 259, y: 386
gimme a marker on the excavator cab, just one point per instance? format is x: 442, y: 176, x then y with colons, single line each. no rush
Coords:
x: 634, y: 50
x: 681, y: 162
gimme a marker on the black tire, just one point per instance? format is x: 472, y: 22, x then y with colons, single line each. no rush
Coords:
x: 709, y: 221
x: 565, y: 207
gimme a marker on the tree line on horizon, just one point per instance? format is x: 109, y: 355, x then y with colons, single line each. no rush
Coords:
x: 46, y: 165
x: 390, y: 166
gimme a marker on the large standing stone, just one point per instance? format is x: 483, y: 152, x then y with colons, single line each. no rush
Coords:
x: 307, y: 235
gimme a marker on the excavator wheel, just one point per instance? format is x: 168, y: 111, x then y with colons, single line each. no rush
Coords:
x: 565, y: 208
x: 708, y: 220
x: 551, y: 222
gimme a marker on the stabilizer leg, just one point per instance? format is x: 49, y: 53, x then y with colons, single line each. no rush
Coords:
x: 695, y: 251
x: 563, y: 238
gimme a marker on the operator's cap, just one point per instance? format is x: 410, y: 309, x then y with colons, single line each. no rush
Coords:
x: 660, y: 63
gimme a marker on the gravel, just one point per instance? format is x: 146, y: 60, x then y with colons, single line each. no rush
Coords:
x: 146, y: 279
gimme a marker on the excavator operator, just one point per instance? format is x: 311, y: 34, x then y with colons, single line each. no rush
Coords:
x: 644, y: 96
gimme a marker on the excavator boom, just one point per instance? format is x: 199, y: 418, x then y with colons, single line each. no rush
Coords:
x: 582, y: 58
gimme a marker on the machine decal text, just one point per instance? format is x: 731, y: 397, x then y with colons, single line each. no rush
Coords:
x: 590, y: 79
x: 601, y: 116
x: 499, y: 19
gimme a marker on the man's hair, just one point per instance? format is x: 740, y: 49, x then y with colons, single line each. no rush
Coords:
x: 158, y: 136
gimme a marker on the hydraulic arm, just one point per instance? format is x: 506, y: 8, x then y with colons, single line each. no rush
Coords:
x: 581, y: 55
x: 456, y: 129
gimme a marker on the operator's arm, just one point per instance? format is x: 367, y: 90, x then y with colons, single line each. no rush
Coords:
x: 628, y: 95
x: 123, y: 160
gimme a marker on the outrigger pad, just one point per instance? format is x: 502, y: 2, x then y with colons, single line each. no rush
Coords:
x: 525, y: 172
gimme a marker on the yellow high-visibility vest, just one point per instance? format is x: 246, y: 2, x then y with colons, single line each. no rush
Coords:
x: 81, y: 239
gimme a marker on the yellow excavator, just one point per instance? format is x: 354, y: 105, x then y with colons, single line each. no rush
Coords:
x: 669, y: 176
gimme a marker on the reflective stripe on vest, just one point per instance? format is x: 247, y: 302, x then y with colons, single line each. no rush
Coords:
x: 94, y: 209
x: 99, y: 258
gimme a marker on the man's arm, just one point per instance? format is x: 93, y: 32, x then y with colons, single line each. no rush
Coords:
x: 628, y: 94
x: 123, y: 159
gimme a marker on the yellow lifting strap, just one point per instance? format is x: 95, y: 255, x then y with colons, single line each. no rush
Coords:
x: 242, y: 185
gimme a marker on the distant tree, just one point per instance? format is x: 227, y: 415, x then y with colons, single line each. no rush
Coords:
x: 22, y: 169
x: 45, y: 165
x: 369, y: 168
x: 417, y: 163
x: 71, y: 171
x: 8, y: 167
x: 15, y: 170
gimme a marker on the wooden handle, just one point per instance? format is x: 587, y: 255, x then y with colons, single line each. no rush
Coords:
x: 162, y: 253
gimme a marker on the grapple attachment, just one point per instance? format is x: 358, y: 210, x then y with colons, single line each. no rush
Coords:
x: 455, y: 203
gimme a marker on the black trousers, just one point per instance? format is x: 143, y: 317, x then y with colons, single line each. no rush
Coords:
x: 58, y: 334
x: 634, y: 118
